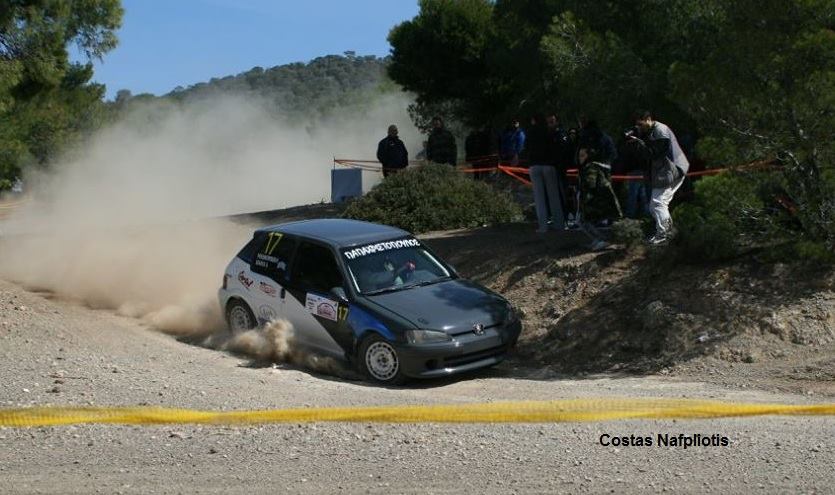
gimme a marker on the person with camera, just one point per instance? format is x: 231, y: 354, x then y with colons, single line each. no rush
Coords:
x: 668, y: 169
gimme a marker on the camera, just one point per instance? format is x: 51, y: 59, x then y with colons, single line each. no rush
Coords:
x: 632, y: 132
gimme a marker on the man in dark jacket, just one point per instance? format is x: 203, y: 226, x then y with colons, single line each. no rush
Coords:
x: 441, y: 146
x: 560, y: 154
x: 391, y: 152
x: 480, y: 151
x: 600, y: 145
x: 546, y: 191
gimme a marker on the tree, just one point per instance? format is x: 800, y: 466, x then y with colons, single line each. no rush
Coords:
x: 442, y: 55
x: 772, y: 96
x: 755, y: 79
x: 299, y: 90
x: 46, y: 101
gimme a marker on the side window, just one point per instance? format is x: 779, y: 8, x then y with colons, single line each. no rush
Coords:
x: 248, y: 252
x: 273, y: 256
x: 315, y: 268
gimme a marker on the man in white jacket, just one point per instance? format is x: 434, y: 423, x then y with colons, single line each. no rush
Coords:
x: 668, y: 170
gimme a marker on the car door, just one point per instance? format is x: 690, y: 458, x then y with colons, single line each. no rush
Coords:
x: 318, y: 317
x: 270, y: 267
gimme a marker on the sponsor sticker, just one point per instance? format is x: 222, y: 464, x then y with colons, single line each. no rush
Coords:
x: 270, y: 259
x: 326, y: 310
x: 267, y: 289
x: 244, y: 280
x: 264, y: 261
x: 321, y: 306
x: 380, y: 247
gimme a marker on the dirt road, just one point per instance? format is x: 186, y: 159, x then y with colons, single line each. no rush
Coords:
x: 54, y: 352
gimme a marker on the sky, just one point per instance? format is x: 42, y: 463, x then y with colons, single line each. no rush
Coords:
x: 168, y: 43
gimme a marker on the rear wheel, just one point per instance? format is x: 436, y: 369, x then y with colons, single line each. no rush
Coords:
x: 379, y: 361
x: 239, y: 317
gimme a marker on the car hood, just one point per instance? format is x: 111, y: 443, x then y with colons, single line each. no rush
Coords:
x: 453, y: 306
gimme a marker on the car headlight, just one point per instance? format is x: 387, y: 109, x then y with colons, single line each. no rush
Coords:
x: 426, y: 336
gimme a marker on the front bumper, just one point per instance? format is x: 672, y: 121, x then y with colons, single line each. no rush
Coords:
x: 464, y: 353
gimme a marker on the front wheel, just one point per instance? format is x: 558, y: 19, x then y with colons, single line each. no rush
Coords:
x: 379, y: 361
x: 239, y: 317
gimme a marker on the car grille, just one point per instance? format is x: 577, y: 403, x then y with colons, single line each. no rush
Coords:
x: 471, y: 332
x: 472, y: 357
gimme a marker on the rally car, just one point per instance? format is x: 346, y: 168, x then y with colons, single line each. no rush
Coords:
x: 369, y: 294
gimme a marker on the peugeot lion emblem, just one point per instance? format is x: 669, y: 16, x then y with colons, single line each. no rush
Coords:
x: 478, y: 329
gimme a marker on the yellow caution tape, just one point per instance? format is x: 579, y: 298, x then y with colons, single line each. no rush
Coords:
x: 501, y: 412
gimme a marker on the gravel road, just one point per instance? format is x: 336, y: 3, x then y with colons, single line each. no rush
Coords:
x: 60, y: 353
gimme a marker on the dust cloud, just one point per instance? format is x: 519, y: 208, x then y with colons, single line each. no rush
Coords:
x: 133, y: 221
x: 275, y: 343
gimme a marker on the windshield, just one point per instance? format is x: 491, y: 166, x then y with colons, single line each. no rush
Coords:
x: 392, y: 265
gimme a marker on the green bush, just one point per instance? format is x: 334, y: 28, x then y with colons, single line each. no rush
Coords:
x: 737, y: 211
x: 628, y: 231
x: 815, y: 252
x: 433, y: 197
x: 727, y: 216
x: 704, y: 234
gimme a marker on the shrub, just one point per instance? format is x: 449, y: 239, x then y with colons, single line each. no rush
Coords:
x: 736, y: 211
x: 727, y: 215
x: 815, y: 252
x: 433, y: 197
x: 704, y: 234
x: 628, y: 231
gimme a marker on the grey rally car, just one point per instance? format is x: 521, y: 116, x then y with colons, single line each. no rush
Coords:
x: 369, y: 294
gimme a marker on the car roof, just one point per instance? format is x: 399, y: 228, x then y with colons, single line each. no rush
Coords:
x: 338, y: 232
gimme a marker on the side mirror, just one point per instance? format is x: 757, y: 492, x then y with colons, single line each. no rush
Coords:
x: 339, y: 294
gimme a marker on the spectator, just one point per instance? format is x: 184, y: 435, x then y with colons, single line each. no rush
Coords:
x: 560, y: 155
x: 512, y: 143
x: 573, y: 136
x: 441, y: 146
x: 421, y: 155
x: 391, y: 152
x: 668, y: 169
x: 543, y: 174
x: 596, y: 195
x: 602, y: 151
x: 572, y: 194
x: 634, y: 165
x: 599, y: 201
x: 600, y: 145
x: 479, y: 150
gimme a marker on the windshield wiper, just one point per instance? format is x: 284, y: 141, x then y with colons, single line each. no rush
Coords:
x: 396, y: 288
x: 374, y: 292
x: 426, y: 282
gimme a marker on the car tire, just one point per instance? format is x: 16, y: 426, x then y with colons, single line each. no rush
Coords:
x: 239, y: 318
x: 379, y: 362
